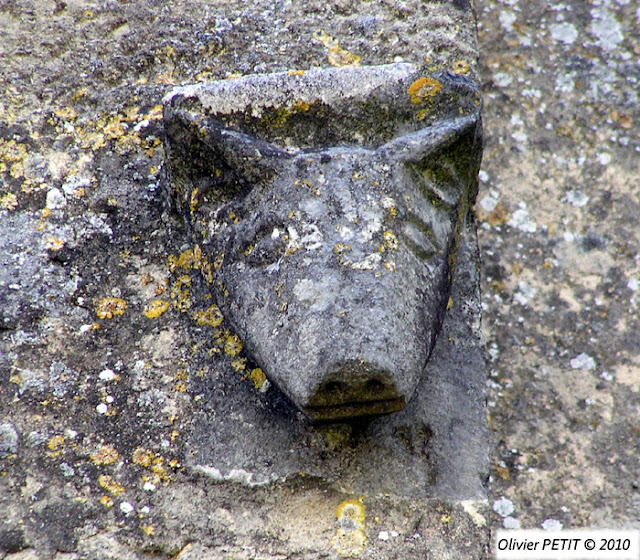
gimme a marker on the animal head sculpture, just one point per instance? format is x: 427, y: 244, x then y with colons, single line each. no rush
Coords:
x: 330, y: 204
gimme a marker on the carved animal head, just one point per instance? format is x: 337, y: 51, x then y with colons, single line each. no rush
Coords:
x: 336, y: 256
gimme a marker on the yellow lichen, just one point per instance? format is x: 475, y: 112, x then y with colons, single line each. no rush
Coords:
x: 194, y: 200
x: 155, y: 463
x: 55, y: 445
x: 107, y: 501
x: 349, y: 543
x: 156, y: 308
x: 258, y: 377
x: 93, y: 141
x: 142, y: 457
x: 155, y: 114
x: 67, y: 114
x: 390, y: 240
x: 114, y: 128
x: 233, y: 345
x: 54, y: 244
x: 350, y: 538
x: 106, y: 455
x: 212, y: 316
x: 460, y: 67
x: 12, y: 151
x: 109, y: 307
x: 424, y: 89
x: 220, y: 336
x: 80, y: 94
x: 181, y: 292
x: 110, y: 485
x: 8, y: 201
x: 240, y: 364
x: 353, y: 510
x: 191, y: 258
x: 148, y: 530
x: 390, y: 266
x: 158, y: 466
x: 337, y: 56
x: 340, y: 248
x: 17, y: 170
x: 218, y: 261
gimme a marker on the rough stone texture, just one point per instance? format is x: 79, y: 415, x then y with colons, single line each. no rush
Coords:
x: 560, y: 119
x: 105, y: 365
x: 559, y: 207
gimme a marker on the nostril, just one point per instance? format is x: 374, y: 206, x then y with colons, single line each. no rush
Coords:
x: 334, y: 387
x: 355, y: 389
x: 374, y: 386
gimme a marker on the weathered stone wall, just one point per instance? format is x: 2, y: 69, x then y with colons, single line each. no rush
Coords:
x: 559, y: 210
x: 111, y: 361
x: 95, y: 412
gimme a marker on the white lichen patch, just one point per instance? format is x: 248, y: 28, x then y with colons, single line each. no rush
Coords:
x: 503, y: 507
x: 372, y: 225
x: 313, y: 294
x: 489, y: 202
x: 471, y: 510
x: 606, y: 28
x: 293, y: 240
x: 551, y: 525
x: 283, y: 89
x: 368, y: 263
x: 525, y: 293
x: 346, y: 233
x: 564, y: 32
x: 312, y: 238
x: 510, y: 522
x: 577, y: 198
x: 507, y: 19
x: 107, y: 375
x: 55, y: 199
x: 520, y: 220
x: 565, y: 83
x: 502, y: 79
x: 583, y: 361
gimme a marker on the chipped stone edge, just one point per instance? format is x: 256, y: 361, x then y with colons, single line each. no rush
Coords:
x: 261, y: 91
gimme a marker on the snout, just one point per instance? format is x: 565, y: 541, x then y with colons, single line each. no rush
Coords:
x: 354, y: 389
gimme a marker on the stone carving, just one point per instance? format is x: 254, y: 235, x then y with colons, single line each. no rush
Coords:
x: 329, y: 205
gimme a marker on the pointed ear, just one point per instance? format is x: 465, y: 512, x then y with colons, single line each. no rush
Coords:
x: 202, y: 153
x: 446, y: 155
